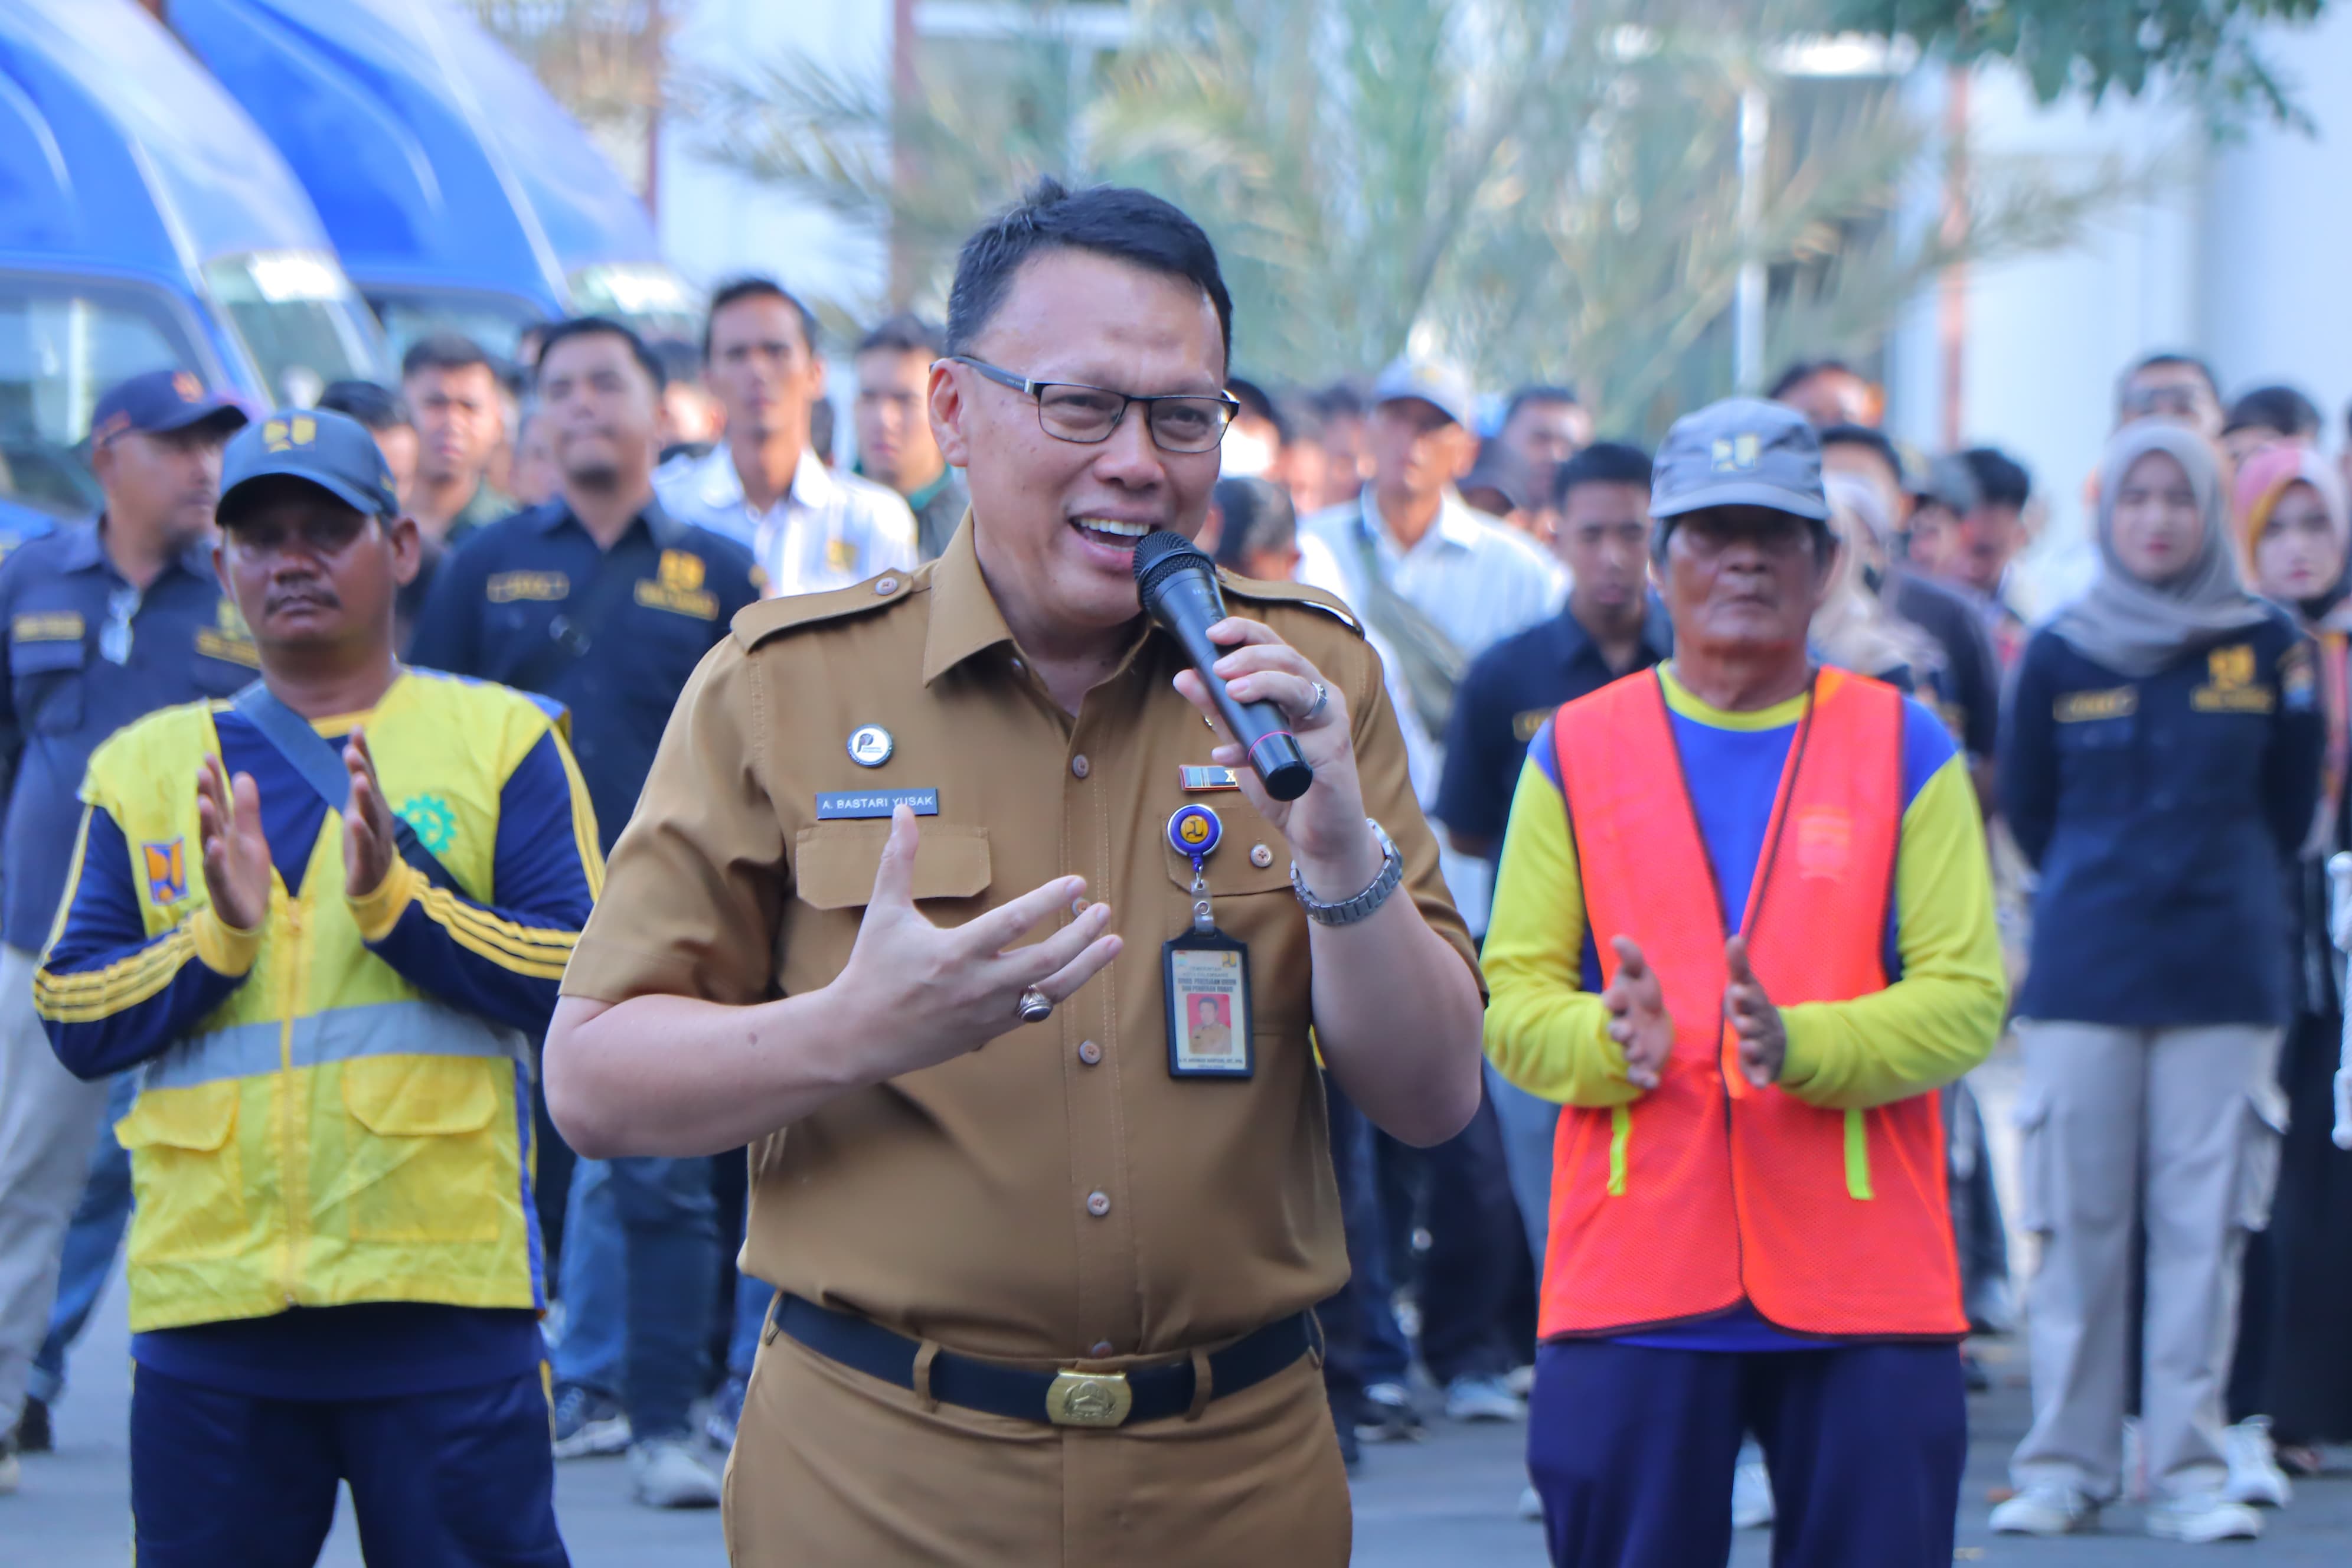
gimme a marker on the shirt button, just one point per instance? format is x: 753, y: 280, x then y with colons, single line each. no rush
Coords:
x: 1261, y: 857
x: 885, y: 585
x: 1079, y: 766
x: 1089, y: 1052
x: 1099, y: 1204
x: 1102, y: 1348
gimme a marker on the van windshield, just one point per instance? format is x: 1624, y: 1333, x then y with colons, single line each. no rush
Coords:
x: 495, y: 321
x: 63, y: 343
x: 299, y: 320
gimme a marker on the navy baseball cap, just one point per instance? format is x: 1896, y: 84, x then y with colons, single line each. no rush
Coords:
x: 333, y: 451
x: 1741, y: 451
x: 159, y: 400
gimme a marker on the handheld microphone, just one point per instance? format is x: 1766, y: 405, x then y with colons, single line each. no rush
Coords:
x: 1178, y: 584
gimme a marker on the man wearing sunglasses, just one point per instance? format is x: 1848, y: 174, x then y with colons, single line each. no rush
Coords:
x: 917, y: 869
x: 104, y: 622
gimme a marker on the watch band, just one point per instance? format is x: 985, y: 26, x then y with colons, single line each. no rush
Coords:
x: 1347, y: 911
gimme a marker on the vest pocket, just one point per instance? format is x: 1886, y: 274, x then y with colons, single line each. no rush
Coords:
x: 429, y: 1166
x: 187, y: 1172
x: 1621, y: 1135
x: 1857, y: 1155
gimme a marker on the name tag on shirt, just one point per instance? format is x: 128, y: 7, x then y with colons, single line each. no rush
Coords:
x: 2084, y: 707
x: 850, y: 804
x: 509, y: 587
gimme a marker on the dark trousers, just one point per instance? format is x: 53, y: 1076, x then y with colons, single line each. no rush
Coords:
x: 1476, y: 1253
x: 1363, y: 1344
x: 460, y: 1479
x: 1632, y: 1449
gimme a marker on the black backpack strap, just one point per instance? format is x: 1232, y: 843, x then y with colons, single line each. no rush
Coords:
x: 320, y: 766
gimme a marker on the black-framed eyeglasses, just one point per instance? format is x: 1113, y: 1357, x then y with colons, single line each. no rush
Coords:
x: 1179, y: 422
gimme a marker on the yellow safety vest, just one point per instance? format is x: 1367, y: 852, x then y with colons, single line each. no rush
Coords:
x: 331, y: 1134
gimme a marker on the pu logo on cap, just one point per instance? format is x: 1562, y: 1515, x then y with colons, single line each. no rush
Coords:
x: 285, y: 434
x: 1739, y: 452
x: 190, y: 389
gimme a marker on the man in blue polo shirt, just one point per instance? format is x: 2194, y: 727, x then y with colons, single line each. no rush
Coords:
x: 105, y: 621
x: 1611, y: 625
x: 603, y: 601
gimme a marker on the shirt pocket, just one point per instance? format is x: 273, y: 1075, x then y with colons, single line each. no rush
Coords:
x: 2097, y: 761
x: 48, y: 677
x: 187, y: 1173
x: 428, y: 1164
x: 833, y: 882
x: 1253, y: 904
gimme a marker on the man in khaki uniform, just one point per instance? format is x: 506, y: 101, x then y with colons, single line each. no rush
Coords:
x: 1046, y: 1280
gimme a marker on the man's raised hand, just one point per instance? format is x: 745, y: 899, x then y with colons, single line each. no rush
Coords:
x: 235, y: 854
x: 1638, y: 1020
x: 928, y: 993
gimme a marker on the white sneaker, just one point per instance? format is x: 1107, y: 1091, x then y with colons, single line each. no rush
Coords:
x: 2254, y: 1474
x: 1522, y: 1381
x: 2046, y: 1508
x: 1530, y: 1503
x: 1482, y: 1399
x: 667, y: 1473
x: 2135, y: 1469
x: 1751, y: 1495
x: 2199, y: 1517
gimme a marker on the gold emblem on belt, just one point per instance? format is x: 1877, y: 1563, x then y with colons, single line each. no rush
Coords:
x: 1088, y: 1399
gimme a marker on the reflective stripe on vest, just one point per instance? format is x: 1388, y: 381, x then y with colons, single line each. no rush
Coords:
x: 1706, y: 1191
x: 420, y: 1028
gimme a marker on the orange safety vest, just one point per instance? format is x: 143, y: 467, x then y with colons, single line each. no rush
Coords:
x: 1706, y: 1191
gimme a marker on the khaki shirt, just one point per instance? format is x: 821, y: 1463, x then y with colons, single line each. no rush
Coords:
x: 1057, y: 1192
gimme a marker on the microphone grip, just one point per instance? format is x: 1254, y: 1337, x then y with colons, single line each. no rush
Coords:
x: 1188, y: 606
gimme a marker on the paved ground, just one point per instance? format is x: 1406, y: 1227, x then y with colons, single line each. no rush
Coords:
x: 1449, y: 1501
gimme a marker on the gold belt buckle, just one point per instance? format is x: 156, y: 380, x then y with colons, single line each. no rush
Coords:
x: 1088, y: 1399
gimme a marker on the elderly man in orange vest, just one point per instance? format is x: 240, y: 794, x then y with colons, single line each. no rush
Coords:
x: 1744, y: 929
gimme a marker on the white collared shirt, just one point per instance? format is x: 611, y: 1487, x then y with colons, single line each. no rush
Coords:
x: 1479, y: 580
x: 829, y: 530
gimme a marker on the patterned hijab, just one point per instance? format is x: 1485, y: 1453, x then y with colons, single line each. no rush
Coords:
x: 2137, y: 628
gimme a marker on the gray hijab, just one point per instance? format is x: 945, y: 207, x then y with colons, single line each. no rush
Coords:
x: 2137, y: 628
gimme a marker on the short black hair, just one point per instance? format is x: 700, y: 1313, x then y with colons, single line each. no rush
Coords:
x: 755, y: 287
x: 1877, y: 441
x: 2282, y: 408
x: 1804, y: 370
x: 444, y: 351
x: 589, y: 326
x: 1538, y: 392
x: 905, y: 333
x: 2158, y: 360
x: 681, y: 362
x: 1258, y: 406
x: 377, y: 407
x: 2001, y: 480
x: 1258, y: 515
x: 1345, y: 400
x: 1602, y: 463
x: 1118, y: 221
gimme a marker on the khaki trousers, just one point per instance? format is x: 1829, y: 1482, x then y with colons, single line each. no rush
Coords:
x: 832, y: 1467
x: 2181, y: 1126
x: 48, y: 1120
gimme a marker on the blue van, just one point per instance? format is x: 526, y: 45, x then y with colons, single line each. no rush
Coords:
x: 144, y: 223
x: 457, y: 192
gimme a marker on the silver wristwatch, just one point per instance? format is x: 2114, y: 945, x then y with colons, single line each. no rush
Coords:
x: 1347, y: 911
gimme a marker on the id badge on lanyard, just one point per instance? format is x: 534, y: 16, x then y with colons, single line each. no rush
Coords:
x: 1206, y: 973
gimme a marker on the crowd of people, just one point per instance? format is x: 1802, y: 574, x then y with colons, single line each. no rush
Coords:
x: 2087, y: 803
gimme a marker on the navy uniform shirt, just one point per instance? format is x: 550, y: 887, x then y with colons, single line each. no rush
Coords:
x: 2161, y: 814
x: 1504, y: 698
x: 86, y: 654
x: 518, y: 585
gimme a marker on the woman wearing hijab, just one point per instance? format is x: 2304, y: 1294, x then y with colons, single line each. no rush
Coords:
x: 2295, y: 1354
x: 2160, y: 765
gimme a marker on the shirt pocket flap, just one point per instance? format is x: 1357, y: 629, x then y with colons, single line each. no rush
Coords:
x: 833, y: 862
x: 47, y: 656
x: 199, y: 1117
x: 419, y: 1096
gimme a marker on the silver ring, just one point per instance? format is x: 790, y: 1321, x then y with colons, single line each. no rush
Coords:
x: 1035, y: 1006
x: 1315, y: 708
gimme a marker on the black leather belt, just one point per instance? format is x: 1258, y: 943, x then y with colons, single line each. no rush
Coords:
x: 1068, y: 1398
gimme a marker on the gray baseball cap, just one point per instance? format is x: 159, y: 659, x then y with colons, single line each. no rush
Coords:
x: 1741, y: 451
x: 1433, y: 381
x: 333, y: 451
